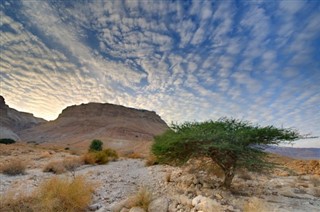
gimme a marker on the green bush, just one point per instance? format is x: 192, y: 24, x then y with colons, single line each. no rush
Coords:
x: 7, y: 141
x: 96, y: 145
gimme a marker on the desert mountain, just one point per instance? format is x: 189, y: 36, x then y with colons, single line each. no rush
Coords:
x: 119, y: 127
x: 298, y: 153
x: 13, y: 121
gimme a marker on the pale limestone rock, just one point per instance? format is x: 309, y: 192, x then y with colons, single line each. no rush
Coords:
x: 159, y: 205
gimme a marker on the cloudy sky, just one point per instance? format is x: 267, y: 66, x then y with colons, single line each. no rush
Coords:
x: 186, y: 60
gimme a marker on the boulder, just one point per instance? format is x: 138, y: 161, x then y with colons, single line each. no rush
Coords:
x: 159, y: 205
x: 137, y: 209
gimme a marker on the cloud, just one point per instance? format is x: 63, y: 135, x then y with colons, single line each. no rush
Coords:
x: 185, y: 60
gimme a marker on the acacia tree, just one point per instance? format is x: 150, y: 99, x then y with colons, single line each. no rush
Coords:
x: 230, y: 143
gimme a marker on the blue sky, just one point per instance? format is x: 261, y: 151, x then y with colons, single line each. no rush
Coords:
x: 186, y: 60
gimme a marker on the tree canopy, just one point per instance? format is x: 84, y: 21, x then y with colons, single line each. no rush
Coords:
x: 230, y: 143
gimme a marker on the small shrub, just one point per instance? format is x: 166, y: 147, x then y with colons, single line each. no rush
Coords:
x: 151, y: 160
x: 7, y: 141
x: 18, y: 203
x: 89, y: 158
x: 55, y: 167
x: 54, y: 195
x: 111, y: 154
x: 61, y: 166
x: 100, y: 157
x: 61, y: 194
x: 14, y: 167
x: 134, y: 155
x: 96, y: 145
x: 141, y: 199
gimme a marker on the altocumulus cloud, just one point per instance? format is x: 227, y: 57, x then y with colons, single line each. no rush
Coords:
x: 187, y: 60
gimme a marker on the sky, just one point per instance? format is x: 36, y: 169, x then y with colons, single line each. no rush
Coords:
x: 187, y: 60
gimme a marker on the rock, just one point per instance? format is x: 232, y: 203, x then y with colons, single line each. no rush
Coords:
x: 95, y: 207
x: 218, y: 196
x: 206, y: 204
x: 159, y: 205
x: 125, y: 210
x: 184, y: 200
x: 137, y: 209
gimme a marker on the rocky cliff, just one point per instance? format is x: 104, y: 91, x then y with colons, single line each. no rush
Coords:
x: 119, y: 127
x: 13, y: 121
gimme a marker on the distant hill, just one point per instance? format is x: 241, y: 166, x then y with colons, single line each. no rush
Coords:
x: 298, y: 153
x: 119, y: 127
x: 13, y: 121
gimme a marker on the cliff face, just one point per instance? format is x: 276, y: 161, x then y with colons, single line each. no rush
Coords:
x: 13, y: 121
x: 120, y: 127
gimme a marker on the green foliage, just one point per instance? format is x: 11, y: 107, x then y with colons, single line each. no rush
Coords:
x: 230, y: 143
x: 96, y: 145
x: 7, y: 141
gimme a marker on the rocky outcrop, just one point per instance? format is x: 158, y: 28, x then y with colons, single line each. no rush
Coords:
x: 13, y: 121
x: 120, y: 127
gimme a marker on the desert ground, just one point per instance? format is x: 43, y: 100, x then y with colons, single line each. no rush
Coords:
x: 192, y: 187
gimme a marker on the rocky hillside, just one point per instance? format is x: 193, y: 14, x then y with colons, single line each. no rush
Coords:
x: 13, y: 121
x: 119, y: 127
x: 298, y: 153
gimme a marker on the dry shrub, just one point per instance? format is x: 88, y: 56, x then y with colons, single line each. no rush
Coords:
x: 141, y: 199
x: 61, y: 166
x: 17, y: 203
x: 61, y: 194
x: 100, y: 157
x: 151, y: 160
x: 55, y: 167
x: 134, y: 155
x: 253, y: 205
x: 71, y: 164
x: 54, y: 195
x: 14, y: 167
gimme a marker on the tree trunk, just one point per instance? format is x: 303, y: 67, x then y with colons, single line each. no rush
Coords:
x: 228, y: 177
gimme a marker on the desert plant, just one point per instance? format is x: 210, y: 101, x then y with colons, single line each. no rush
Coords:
x: 7, y: 141
x: 151, y: 160
x: 18, y: 203
x: 100, y: 157
x: 61, y: 166
x: 230, y: 143
x: 141, y: 199
x: 14, y: 167
x: 56, y: 167
x: 96, y: 145
x: 62, y: 194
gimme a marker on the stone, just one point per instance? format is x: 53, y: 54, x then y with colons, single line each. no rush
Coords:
x: 206, y: 204
x: 159, y: 205
x: 137, y: 209
x: 125, y: 210
x: 94, y: 207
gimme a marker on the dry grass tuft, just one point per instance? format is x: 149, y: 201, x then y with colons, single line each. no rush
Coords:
x: 100, y: 157
x: 54, y: 195
x: 55, y: 167
x: 13, y: 167
x: 17, y: 203
x: 60, y: 194
x: 151, y: 160
x: 61, y: 166
x: 134, y: 155
x: 141, y: 199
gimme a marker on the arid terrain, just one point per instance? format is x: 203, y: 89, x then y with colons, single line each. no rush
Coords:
x: 55, y: 154
x: 193, y: 187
